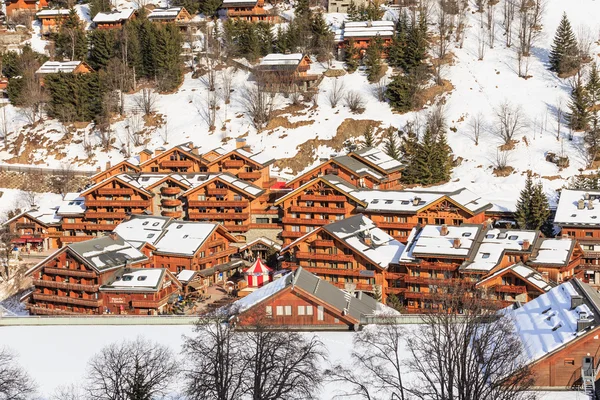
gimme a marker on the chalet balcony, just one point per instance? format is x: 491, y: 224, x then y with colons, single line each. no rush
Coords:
x: 322, y: 243
x: 63, y: 285
x: 176, y: 164
x: 104, y: 214
x: 249, y: 175
x: 149, y: 303
x: 69, y: 272
x: 170, y: 202
x: 395, y: 290
x: 510, y: 289
x: 237, y: 228
x: 316, y: 197
x: 394, y: 225
x: 270, y: 211
x: 223, y: 253
x: 357, y: 286
x: 419, y: 295
x: 115, y: 191
x: 305, y: 221
x: 100, y: 227
x: 170, y: 191
x: 318, y: 210
x: 304, y: 255
x: 118, y: 203
x: 76, y: 239
x: 218, y: 203
x: 267, y: 184
x: 430, y: 280
x: 233, y: 163
x: 394, y: 275
x: 67, y: 300
x: 266, y: 226
x: 217, y: 191
x: 68, y: 226
x: 438, y: 266
x: 332, y: 271
x: 36, y: 310
x: 25, y: 225
x: 171, y: 214
x: 290, y: 234
x: 217, y: 216
x: 253, y: 13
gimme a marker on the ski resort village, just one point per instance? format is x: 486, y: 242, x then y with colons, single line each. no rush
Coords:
x: 300, y: 200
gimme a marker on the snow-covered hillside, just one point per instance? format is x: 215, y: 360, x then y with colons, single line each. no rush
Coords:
x: 479, y: 86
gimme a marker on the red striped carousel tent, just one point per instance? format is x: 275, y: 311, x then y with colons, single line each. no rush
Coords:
x: 258, y: 274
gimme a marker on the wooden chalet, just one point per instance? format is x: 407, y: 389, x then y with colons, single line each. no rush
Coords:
x: 71, y: 210
x: 51, y: 19
x: 14, y: 7
x: 69, y: 280
x: 140, y: 291
x: 517, y: 282
x: 560, y: 332
x: 577, y: 214
x: 260, y: 247
x: 302, y: 300
x: 64, y: 67
x: 115, y: 19
x: 352, y: 254
x: 34, y: 229
x: 249, y: 10
x: 182, y: 158
x: 178, y: 15
x: 277, y: 72
x: 362, y: 33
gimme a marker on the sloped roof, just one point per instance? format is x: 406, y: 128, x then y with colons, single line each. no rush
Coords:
x: 140, y: 229
x: 258, y: 268
x: 568, y: 213
x: 107, y: 252
x: 524, y: 272
x: 113, y: 16
x: 53, y: 67
x: 184, y: 237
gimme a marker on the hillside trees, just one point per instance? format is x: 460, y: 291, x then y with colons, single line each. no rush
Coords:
x: 564, y: 55
x: 71, y: 40
x: 579, y: 116
x: 74, y: 97
x: 373, y: 62
x: 532, y: 207
x: 15, y: 384
x: 372, y: 11
x: 97, y: 6
x: 352, y: 56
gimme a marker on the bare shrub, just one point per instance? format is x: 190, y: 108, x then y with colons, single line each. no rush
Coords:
x: 510, y: 121
x: 29, y: 196
x: 355, y: 101
x: 258, y: 105
x: 475, y: 126
x: 4, y: 125
x: 146, y: 100
x: 380, y: 88
x: 226, y: 84
x: 336, y: 94
x: 62, y: 182
x: 135, y: 126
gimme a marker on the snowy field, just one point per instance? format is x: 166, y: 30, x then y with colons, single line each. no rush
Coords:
x: 57, y: 355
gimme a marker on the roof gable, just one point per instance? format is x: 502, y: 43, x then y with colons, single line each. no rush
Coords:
x: 327, y: 182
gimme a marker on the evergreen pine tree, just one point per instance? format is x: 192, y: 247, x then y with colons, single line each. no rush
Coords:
x: 592, y: 86
x: 210, y: 7
x: 369, y: 137
x: 353, y: 14
x: 523, y: 210
x: 564, y: 53
x: 97, y: 6
x: 416, y: 43
x: 266, y: 38
x: 390, y: 144
x: 373, y: 61
x: 409, y: 149
x: 579, y: 116
x: 400, y: 92
x: 441, y: 165
x: 302, y: 9
x: 281, y: 44
x: 396, y: 49
x: 70, y: 40
x: 168, y: 64
x: 352, y: 56
x: 102, y: 47
x: 146, y: 34
x: 540, y: 209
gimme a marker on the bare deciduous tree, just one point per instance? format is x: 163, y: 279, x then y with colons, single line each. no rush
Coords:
x: 34, y: 99
x: 376, y: 366
x: 440, y: 50
x: 227, y: 84
x: 510, y: 121
x: 585, y: 39
x: 62, y: 181
x: 258, y: 104
x: 559, y: 117
x: 481, y: 36
x: 490, y: 15
x: 4, y: 125
x: 132, y: 369
x: 336, y: 94
x: 475, y: 125
x: 354, y: 101
x: 68, y: 392
x: 508, y: 18
x: 6, y: 253
x: 29, y: 196
x: 15, y: 384
x: 380, y: 88
x: 146, y: 101
x: 501, y: 160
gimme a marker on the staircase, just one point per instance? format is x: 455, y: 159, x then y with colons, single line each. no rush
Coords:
x: 588, y: 378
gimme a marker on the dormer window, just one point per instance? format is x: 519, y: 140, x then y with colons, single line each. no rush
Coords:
x: 155, y: 224
x: 485, y: 255
x: 466, y: 234
x: 179, y: 226
x: 513, y: 237
x: 145, y: 223
x: 141, y: 278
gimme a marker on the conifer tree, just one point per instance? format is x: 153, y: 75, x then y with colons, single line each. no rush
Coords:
x: 352, y: 12
x: 352, y: 56
x: 390, y: 144
x: 592, y: 86
x: 369, y: 137
x: 70, y: 40
x: 532, y: 207
x: 97, y: 6
x: 209, y: 7
x: 302, y: 9
x: 523, y: 209
x: 396, y: 51
x: 564, y: 53
x: 373, y: 61
x: 102, y: 47
x: 579, y: 116
x: 400, y: 92
x: 281, y: 44
x: 441, y: 165
x: 168, y: 64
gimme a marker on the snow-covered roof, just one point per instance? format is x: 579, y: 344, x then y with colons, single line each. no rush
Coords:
x: 185, y: 275
x: 113, y: 16
x: 107, y: 252
x: 249, y: 2
x: 164, y: 13
x: 52, y: 67
x: 52, y: 13
x: 261, y: 239
x: 261, y: 158
x: 281, y: 59
x: 46, y: 216
x: 137, y: 279
x: 578, y: 207
x: 553, y: 251
x: 493, y: 245
x: 378, y: 157
x: 361, y: 234
x: 549, y: 322
x: 365, y: 29
x: 526, y: 273
x: 72, y: 204
x: 429, y: 240
x: 184, y: 237
x: 140, y: 229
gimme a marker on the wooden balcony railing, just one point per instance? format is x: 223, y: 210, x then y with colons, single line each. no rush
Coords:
x: 76, y: 239
x: 322, y: 243
x: 332, y: 271
x: 357, y: 286
x: 394, y: 225
x: 438, y: 266
x: 430, y: 280
x: 100, y: 227
x: 304, y: 255
x: 217, y: 191
x: 170, y: 202
x: 233, y: 163
x: 249, y: 175
x: 67, y: 300
x: 67, y: 226
x: 149, y: 303
x: 218, y: 203
x: 305, y: 221
x: 318, y: 210
x: 316, y: 197
x: 268, y: 183
x: 176, y: 164
x: 35, y: 310
x: 290, y: 234
x: 237, y: 228
x: 395, y: 290
x: 171, y: 214
x: 394, y: 275
x: 510, y: 289
x: 117, y: 203
x: 266, y: 226
x: 25, y: 225
x: 170, y: 191
x: 115, y: 191
x: 218, y: 216
x: 65, y: 285
x: 105, y: 214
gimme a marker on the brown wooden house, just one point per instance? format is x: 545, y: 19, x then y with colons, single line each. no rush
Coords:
x: 14, y: 7
x: 115, y: 19
x: 280, y: 72
x: 34, y: 229
x: 249, y: 10
x: 362, y: 33
x: 51, y: 19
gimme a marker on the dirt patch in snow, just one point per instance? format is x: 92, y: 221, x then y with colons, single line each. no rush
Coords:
x: 283, y: 122
x: 502, y: 172
x: 428, y: 95
x: 350, y: 128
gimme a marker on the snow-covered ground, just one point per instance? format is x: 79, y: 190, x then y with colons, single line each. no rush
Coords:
x: 57, y: 355
x: 12, y: 199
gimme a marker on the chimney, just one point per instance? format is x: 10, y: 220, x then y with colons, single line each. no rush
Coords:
x: 444, y: 230
x: 526, y: 245
x: 586, y: 196
x: 456, y: 243
x: 108, y: 165
x: 158, y: 150
x: 590, y: 205
x: 98, y: 169
x: 240, y: 143
x: 545, y: 276
x: 485, y: 225
x: 580, y: 204
x: 564, y: 236
x: 576, y: 301
x: 416, y: 201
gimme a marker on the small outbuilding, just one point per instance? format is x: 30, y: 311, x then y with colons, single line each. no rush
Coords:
x: 258, y: 274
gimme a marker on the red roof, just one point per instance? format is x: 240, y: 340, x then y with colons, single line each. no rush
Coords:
x: 258, y: 268
x: 279, y: 185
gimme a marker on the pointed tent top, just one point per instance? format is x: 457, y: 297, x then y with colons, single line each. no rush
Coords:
x: 258, y: 267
